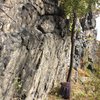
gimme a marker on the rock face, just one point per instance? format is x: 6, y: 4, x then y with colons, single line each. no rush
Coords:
x: 85, y: 42
x: 33, y: 54
x: 34, y: 48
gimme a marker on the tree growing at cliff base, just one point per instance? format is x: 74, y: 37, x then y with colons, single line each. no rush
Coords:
x: 75, y: 9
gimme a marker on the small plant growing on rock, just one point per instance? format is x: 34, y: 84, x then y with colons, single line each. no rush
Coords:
x: 18, y: 85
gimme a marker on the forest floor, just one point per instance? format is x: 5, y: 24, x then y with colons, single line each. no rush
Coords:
x: 83, y: 89
x: 87, y: 86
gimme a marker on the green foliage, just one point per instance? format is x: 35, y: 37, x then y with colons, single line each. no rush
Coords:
x: 70, y: 5
x: 18, y: 84
x: 55, y: 91
x: 81, y: 7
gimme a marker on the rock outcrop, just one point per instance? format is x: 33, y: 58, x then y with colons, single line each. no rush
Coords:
x: 34, y: 48
x: 33, y: 54
x: 85, y: 42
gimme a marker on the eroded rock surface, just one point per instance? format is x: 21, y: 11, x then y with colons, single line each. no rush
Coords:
x: 33, y: 53
x: 35, y: 48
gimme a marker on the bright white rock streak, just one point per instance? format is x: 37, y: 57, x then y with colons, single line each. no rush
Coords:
x: 98, y: 27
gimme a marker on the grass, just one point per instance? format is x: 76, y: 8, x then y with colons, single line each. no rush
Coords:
x: 81, y: 90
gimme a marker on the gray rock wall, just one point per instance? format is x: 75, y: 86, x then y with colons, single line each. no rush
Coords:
x: 33, y: 55
x: 34, y: 48
x: 85, y: 43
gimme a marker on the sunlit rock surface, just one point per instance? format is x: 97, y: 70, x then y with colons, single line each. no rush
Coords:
x: 33, y: 54
x: 34, y: 48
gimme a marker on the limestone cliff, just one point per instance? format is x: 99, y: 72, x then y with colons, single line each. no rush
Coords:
x: 33, y: 54
x: 34, y: 48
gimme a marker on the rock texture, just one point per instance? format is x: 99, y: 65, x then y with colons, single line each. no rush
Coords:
x: 85, y: 41
x: 34, y: 48
x: 34, y: 55
x: 85, y: 48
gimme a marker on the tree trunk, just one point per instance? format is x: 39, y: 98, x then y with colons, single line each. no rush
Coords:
x: 72, y: 47
x: 68, y: 86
